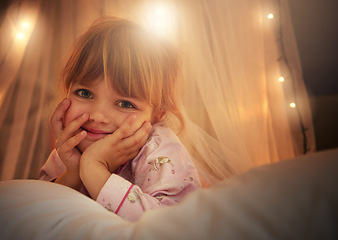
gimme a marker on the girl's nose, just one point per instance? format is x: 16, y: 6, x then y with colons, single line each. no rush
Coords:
x: 100, y: 114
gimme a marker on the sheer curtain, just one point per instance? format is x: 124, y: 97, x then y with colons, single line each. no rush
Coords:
x: 237, y: 112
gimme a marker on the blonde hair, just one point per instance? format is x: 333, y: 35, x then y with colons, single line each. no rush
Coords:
x: 134, y: 62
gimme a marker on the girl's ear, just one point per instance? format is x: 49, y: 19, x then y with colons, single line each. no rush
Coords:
x: 157, y: 116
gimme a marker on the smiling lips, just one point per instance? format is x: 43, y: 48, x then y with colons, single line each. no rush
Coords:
x: 94, y: 134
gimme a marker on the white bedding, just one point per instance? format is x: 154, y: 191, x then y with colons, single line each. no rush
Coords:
x: 294, y: 199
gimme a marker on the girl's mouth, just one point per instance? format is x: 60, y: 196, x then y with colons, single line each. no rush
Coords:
x: 95, y: 134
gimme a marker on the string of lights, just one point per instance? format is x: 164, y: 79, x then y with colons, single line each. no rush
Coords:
x: 290, y: 78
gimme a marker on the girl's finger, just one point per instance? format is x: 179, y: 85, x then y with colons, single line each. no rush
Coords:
x: 71, y: 129
x: 66, y: 150
x: 138, y: 139
x: 129, y: 127
x: 57, y: 117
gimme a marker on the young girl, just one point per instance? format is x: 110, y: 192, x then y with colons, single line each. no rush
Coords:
x: 112, y: 141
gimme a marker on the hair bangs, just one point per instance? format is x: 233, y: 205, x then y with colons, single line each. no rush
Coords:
x: 132, y: 66
x: 85, y: 65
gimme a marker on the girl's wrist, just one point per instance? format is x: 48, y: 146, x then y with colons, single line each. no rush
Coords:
x: 90, y: 160
x: 94, y: 175
x: 69, y: 179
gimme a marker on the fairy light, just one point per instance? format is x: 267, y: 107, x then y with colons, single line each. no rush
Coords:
x: 283, y: 58
x: 281, y: 79
x: 23, y: 30
x: 25, y: 24
x: 19, y: 35
x: 292, y: 105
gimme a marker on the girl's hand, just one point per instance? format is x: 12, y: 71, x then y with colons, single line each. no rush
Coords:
x: 67, y: 138
x: 104, y: 156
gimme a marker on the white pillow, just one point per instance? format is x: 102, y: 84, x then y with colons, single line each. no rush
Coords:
x: 294, y: 199
x: 32, y: 209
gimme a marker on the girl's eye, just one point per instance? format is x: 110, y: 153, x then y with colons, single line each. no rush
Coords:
x: 84, y: 93
x: 125, y: 104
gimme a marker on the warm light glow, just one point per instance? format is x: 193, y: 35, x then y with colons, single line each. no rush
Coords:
x: 23, y: 31
x: 158, y: 11
x: 270, y: 16
x: 25, y: 24
x: 20, y: 35
x: 292, y: 105
x: 160, y: 19
x: 281, y: 79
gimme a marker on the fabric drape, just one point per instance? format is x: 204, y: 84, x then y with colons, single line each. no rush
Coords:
x: 237, y: 112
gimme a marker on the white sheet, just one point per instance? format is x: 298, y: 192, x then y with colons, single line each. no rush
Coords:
x: 294, y: 199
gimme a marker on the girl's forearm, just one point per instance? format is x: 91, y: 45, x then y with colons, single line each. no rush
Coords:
x: 94, y: 175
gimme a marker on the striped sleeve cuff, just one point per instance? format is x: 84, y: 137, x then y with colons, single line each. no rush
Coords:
x: 114, y: 193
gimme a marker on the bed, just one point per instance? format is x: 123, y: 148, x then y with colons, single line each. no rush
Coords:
x: 292, y: 199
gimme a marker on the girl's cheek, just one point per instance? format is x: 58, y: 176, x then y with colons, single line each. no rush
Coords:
x: 72, y: 113
x: 68, y: 118
x: 141, y: 117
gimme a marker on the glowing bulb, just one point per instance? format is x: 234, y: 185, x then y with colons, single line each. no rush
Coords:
x: 281, y: 79
x: 25, y: 24
x: 160, y: 19
x: 270, y: 16
x: 19, y: 35
x: 292, y: 105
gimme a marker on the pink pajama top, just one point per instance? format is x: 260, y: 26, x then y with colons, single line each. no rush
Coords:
x: 160, y: 175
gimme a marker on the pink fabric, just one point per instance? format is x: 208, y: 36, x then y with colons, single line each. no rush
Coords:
x: 160, y: 175
x: 52, y: 168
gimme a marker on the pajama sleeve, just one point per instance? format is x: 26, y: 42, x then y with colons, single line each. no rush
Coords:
x: 52, y: 168
x: 163, y: 173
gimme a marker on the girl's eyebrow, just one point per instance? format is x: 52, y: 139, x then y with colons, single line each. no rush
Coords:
x: 77, y: 85
x: 83, y: 85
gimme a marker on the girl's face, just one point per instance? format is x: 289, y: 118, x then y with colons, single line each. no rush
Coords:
x: 107, y: 110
